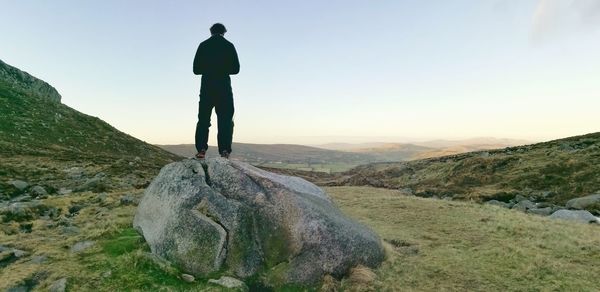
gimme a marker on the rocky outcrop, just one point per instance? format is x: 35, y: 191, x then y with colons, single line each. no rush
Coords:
x: 230, y: 217
x: 22, y: 81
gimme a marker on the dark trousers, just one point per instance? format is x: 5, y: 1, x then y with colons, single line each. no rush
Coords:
x: 215, y: 94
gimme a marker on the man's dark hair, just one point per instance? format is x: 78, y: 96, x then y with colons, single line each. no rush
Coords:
x: 217, y: 28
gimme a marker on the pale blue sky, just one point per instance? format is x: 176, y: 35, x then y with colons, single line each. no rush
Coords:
x: 323, y: 71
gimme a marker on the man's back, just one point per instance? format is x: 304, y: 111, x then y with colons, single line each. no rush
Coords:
x: 216, y: 57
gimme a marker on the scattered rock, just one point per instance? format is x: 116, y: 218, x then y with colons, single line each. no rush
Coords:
x: 544, y: 205
x: 541, y: 211
x: 520, y: 198
x: 524, y: 205
x: 19, y: 184
x: 69, y: 230
x: 64, y: 191
x: 101, y: 198
x: 128, y: 200
x: 99, y: 183
x: 230, y: 283
x: 204, y: 217
x: 575, y: 215
x: 188, y: 278
x: 74, y: 209
x: 40, y: 259
x: 107, y: 274
x: 59, y: 285
x: 81, y: 246
x: 38, y: 191
x: 23, y: 211
x: 75, y: 173
x: 584, y: 203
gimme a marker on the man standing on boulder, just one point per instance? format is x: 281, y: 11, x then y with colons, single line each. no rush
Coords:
x: 216, y: 59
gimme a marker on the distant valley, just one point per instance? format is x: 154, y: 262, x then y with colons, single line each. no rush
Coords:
x: 337, y: 157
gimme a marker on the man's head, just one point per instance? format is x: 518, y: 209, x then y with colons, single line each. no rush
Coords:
x: 217, y: 29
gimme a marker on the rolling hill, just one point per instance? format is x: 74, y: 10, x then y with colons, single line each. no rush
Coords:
x: 553, y: 171
x: 285, y: 156
x: 40, y: 135
x: 338, y: 157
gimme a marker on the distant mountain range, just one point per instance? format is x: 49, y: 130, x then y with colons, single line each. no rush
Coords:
x: 343, y: 156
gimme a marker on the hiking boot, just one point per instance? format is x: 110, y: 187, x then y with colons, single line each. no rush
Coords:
x: 225, y: 154
x: 201, y: 154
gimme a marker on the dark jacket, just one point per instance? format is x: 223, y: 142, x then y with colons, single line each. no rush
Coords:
x: 216, y: 57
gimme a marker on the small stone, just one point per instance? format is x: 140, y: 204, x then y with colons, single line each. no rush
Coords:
x: 75, y: 173
x: 524, y: 205
x: 39, y: 259
x: 69, y: 230
x: 188, y: 278
x: 59, y: 285
x: 19, y: 253
x: 81, y: 246
x: 229, y: 282
x: 19, y: 184
x: 101, y: 198
x: 128, y: 200
x: 38, y: 191
x: 107, y: 274
x: 64, y: 191
x: 75, y: 209
x: 519, y: 198
x: 98, y: 183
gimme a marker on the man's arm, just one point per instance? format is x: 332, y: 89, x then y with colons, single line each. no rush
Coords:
x: 199, y: 61
x: 235, y: 62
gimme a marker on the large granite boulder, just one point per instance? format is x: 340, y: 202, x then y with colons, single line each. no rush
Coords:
x: 229, y: 217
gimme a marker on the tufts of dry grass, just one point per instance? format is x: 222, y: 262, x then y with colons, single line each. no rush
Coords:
x: 438, y: 245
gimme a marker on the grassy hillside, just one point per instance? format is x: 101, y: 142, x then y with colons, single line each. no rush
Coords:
x: 40, y: 138
x: 554, y: 171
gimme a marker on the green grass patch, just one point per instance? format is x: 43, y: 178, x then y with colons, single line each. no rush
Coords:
x: 126, y: 241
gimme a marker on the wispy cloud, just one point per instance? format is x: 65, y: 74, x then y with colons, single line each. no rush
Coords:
x: 555, y: 18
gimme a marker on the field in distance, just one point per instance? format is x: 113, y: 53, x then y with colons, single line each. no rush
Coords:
x: 338, y: 157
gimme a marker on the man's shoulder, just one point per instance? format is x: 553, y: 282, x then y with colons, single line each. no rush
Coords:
x: 226, y: 41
